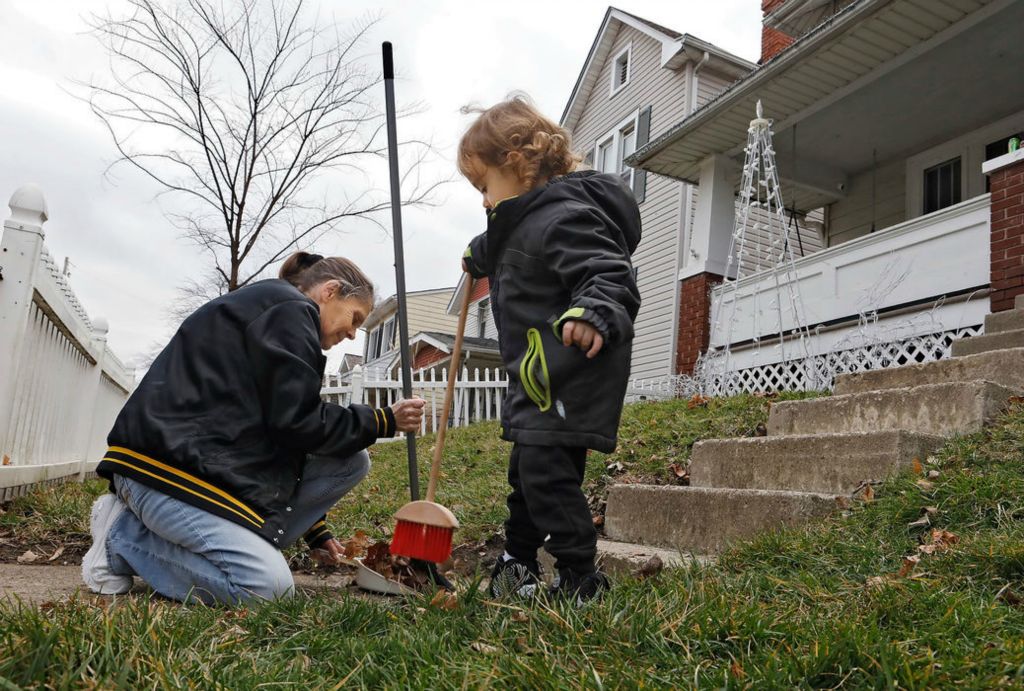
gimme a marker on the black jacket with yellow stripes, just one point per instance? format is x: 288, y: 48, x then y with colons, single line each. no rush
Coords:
x: 559, y: 252
x: 227, y: 413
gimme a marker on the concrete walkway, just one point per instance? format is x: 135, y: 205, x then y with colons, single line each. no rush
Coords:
x: 37, y: 584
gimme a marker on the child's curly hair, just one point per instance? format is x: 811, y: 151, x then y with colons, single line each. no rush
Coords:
x: 514, y: 133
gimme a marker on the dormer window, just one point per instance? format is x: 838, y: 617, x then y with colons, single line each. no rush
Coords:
x: 621, y: 68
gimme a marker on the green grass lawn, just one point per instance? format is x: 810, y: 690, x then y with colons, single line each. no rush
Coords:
x: 834, y: 604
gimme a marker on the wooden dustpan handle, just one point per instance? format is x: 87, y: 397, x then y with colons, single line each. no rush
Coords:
x: 449, y: 394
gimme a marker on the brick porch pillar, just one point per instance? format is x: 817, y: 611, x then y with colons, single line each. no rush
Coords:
x: 694, y: 319
x: 1006, y: 175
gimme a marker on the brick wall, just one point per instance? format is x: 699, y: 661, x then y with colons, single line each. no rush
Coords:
x: 1007, y: 186
x: 773, y: 41
x: 480, y: 289
x: 694, y: 319
x: 427, y: 356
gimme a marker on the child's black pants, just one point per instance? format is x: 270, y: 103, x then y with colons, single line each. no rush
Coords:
x: 547, y: 499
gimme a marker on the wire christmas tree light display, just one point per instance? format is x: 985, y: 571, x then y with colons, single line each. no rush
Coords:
x: 760, y: 243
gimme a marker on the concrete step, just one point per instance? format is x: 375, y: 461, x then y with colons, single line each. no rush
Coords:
x: 626, y: 559
x: 827, y: 463
x: 940, y: 409
x: 988, y: 343
x: 704, y: 520
x: 1001, y: 367
x: 1007, y: 320
x: 1018, y: 302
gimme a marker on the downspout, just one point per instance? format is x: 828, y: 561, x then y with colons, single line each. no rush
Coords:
x: 686, y: 201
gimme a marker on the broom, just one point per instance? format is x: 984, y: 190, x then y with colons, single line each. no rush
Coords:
x: 424, y: 529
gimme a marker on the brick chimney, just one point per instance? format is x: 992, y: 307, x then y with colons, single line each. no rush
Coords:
x: 773, y: 41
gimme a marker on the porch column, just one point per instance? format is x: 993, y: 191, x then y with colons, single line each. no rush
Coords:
x: 705, y: 254
x: 1006, y: 175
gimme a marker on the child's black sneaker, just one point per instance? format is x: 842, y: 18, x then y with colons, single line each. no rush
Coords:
x: 512, y: 577
x: 579, y: 587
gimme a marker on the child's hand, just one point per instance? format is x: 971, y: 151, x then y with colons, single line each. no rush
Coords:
x: 583, y: 335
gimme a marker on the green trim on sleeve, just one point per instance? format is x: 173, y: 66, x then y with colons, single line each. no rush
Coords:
x: 468, y: 254
x: 571, y: 313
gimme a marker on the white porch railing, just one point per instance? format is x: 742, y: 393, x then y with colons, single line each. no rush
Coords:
x: 60, y: 386
x: 478, y: 397
x: 899, y: 295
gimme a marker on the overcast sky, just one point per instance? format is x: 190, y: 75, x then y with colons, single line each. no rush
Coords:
x: 127, y: 258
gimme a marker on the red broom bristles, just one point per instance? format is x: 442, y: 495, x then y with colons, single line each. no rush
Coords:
x: 419, y: 541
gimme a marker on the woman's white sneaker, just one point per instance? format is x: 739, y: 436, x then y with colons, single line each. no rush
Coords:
x: 95, y: 566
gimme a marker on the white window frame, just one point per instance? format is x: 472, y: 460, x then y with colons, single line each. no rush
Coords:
x: 388, y: 345
x: 970, y: 148
x: 614, y: 137
x: 628, y: 52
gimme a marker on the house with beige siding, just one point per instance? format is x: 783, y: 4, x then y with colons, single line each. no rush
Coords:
x: 428, y: 312
x: 901, y: 120
x: 639, y: 80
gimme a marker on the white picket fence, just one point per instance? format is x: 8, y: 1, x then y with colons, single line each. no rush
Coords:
x: 478, y: 395
x: 60, y: 386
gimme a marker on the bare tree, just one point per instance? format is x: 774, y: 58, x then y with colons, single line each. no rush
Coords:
x: 261, y: 115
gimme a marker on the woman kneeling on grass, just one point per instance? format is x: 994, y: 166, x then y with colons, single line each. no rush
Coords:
x: 225, y: 453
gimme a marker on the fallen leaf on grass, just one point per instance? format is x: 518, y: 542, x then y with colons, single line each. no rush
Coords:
x: 877, y: 582
x: 1009, y: 597
x: 598, y: 520
x: 917, y: 467
x: 484, y: 648
x: 922, y: 522
x: 444, y: 600
x: 652, y: 567
x: 1016, y: 400
x: 697, y: 401
x: 925, y: 485
x: 520, y: 617
x: 28, y: 557
x: 615, y: 467
x: 869, y: 494
x: 842, y: 502
x: 737, y: 670
x: 908, y: 565
x: 943, y: 539
x: 930, y: 510
x: 59, y: 551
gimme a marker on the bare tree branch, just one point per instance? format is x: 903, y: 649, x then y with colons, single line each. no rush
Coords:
x: 250, y: 109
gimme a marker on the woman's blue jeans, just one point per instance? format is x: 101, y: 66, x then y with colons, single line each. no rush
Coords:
x: 184, y: 552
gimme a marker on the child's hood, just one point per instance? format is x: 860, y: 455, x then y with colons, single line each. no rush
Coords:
x: 605, y: 191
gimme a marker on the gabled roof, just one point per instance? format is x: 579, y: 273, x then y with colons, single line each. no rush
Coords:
x: 446, y: 342
x: 349, y: 362
x: 385, y: 308
x: 676, y: 50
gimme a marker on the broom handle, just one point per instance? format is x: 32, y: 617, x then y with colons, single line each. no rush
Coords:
x: 449, y: 394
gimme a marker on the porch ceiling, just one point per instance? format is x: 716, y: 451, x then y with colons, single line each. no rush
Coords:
x: 867, y: 85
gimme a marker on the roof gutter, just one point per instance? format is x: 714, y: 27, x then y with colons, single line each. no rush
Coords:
x: 747, y: 86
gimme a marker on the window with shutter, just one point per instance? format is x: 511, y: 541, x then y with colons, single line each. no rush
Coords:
x: 621, y: 69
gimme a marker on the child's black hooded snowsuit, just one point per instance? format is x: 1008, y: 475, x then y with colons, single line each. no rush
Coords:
x: 562, y: 252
